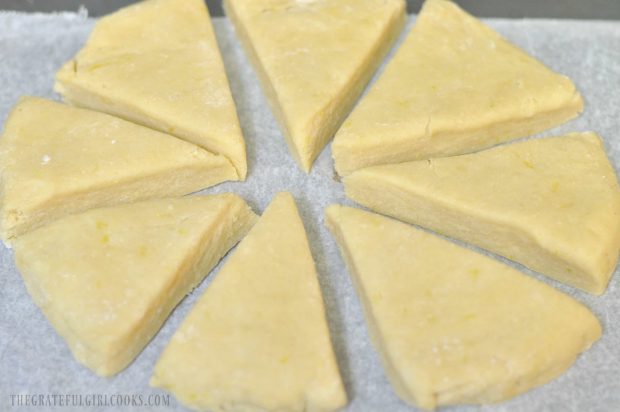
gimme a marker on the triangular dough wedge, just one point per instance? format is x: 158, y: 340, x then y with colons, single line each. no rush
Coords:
x: 157, y: 63
x: 453, y: 326
x: 56, y: 160
x: 454, y: 86
x: 314, y: 59
x: 107, y: 279
x: 258, y: 338
x: 551, y: 204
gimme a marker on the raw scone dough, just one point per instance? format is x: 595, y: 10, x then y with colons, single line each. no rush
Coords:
x: 454, y: 86
x: 257, y: 340
x: 108, y: 278
x: 56, y: 160
x: 157, y: 63
x: 314, y: 58
x: 454, y: 326
x: 551, y: 204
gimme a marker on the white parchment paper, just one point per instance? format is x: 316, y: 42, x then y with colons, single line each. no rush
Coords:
x: 34, y: 360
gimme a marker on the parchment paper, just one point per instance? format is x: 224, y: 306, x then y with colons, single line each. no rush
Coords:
x: 34, y: 360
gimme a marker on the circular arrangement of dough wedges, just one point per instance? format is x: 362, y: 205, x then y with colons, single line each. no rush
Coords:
x: 94, y: 204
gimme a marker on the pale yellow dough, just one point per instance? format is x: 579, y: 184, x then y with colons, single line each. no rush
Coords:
x: 314, y: 59
x: 454, y: 86
x: 157, y: 63
x: 107, y: 279
x: 453, y: 326
x: 551, y: 204
x: 56, y: 160
x: 257, y: 340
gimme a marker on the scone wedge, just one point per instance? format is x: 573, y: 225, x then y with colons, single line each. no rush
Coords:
x: 57, y: 159
x: 454, y: 86
x: 314, y: 59
x: 108, y: 278
x: 157, y: 63
x: 257, y: 340
x: 552, y: 204
x: 453, y: 326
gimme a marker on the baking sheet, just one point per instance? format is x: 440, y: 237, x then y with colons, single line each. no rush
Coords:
x: 34, y: 360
